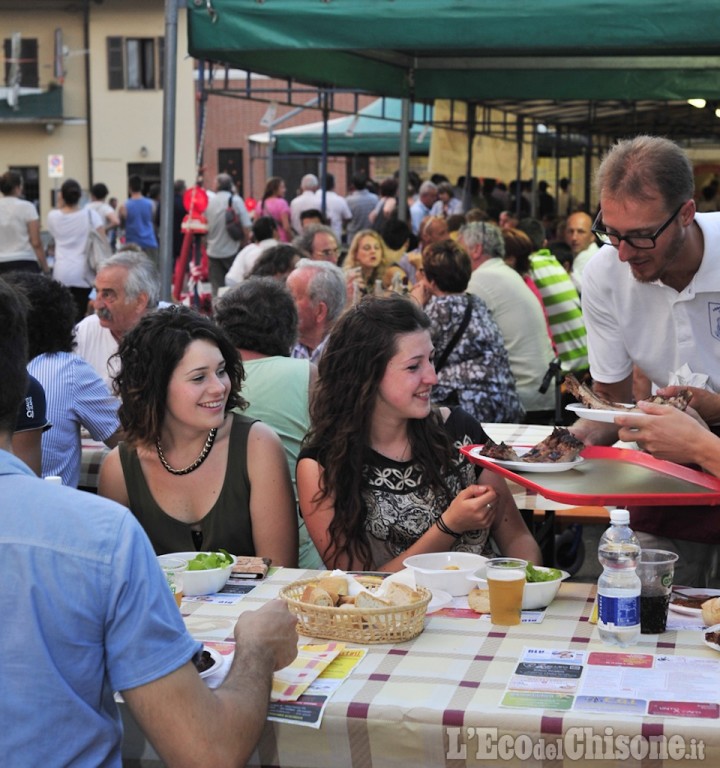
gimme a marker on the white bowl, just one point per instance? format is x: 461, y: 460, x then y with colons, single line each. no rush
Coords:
x: 447, y: 571
x: 205, y: 582
x: 536, y: 594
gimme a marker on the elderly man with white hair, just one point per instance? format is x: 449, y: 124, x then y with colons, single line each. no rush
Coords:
x: 427, y: 197
x: 127, y: 286
x: 304, y: 201
x: 320, y: 294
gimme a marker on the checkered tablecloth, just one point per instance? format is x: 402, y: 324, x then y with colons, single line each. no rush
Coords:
x: 93, y: 455
x: 420, y: 703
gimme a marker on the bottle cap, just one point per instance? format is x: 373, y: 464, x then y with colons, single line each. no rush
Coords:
x: 620, y: 516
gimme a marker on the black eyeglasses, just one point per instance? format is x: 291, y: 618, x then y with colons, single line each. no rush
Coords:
x: 641, y: 242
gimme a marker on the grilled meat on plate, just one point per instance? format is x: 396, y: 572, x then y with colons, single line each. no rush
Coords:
x: 560, y: 446
x: 590, y: 400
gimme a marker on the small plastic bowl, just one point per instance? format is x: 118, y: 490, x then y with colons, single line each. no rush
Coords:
x: 206, y: 582
x: 536, y: 594
x: 447, y: 571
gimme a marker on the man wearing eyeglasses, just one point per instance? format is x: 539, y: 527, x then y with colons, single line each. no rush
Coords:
x: 651, y: 299
x: 319, y: 243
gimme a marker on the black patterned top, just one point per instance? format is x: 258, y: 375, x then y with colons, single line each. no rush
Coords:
x: 401, y: 506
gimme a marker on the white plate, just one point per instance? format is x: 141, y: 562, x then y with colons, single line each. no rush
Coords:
x: 217, y: 662
x: 714, y: 628
x: 686, y: 610
x: 439, y: 600
x: 600, y: 414
x: 529, y: 466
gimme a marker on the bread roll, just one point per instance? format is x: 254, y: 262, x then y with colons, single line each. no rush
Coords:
x: 711, y: 611
x: 345, y: 600
x: 317, y: 596
x: 479, y: 600
x: 401, y: 594
x: 337, y: 585
x: 367, y: 600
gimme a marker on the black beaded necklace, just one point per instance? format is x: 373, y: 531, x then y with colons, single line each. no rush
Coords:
x: 191, y: 467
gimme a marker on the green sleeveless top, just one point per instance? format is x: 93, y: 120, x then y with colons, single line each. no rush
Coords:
x: 227, y: 525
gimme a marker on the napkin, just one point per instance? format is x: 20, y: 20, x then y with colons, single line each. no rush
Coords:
x: 406, y: 576
x: 684, y: 377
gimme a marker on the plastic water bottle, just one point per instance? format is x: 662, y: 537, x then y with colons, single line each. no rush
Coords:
x: 619, y: 585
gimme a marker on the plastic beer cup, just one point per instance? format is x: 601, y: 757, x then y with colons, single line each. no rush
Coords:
x: 506, y: 582
x: 174, y: 569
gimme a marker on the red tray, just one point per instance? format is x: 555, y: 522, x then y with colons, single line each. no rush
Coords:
x: 614, y: 476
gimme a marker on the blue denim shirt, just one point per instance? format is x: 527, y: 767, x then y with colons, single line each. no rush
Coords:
x: 85, y: 611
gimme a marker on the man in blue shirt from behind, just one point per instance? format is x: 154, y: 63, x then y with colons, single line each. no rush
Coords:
x: 86, y: 612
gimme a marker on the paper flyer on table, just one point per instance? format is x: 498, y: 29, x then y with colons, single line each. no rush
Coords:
x: 308, y: 710
x: 289, y: 683
x: 615, y: 682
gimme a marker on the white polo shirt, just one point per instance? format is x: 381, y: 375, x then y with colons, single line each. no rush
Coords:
x: 651, y: 324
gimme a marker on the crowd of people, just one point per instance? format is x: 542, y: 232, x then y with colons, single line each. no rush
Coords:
x: 314, y: 415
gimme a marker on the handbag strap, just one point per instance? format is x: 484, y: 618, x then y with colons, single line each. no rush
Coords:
x: 456, y: 337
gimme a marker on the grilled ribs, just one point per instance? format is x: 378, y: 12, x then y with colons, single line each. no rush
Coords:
x: 499, y: 451
x: 560, y: 446
x: 590, y: 400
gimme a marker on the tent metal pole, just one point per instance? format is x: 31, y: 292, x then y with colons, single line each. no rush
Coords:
x: 588, y: 175
x: 167, y: 172
x: 533, y: 190
x: 556, y: 187
x: 324, y: 154
x: 270, y: 152
x: 404, y: 160
x: 520, y: 138
x: 467, y: 187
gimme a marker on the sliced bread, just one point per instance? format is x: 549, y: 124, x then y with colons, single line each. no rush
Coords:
x: 479, y: 600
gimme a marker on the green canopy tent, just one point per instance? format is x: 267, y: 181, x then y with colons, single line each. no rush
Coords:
x: 527, y: 49
x: 608, y: 67
x: 375, y: 130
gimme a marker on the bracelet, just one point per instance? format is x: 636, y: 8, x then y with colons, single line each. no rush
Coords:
x: 442, y: 525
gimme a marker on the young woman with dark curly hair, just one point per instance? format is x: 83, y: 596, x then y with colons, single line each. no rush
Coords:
x: 195, y: 476
x: 380, y: 477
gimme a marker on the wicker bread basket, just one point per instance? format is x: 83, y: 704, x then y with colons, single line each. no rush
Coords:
x: 393, y: 624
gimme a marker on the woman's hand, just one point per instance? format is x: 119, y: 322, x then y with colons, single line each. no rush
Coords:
x: 472, y: 509
x: 421, y: 293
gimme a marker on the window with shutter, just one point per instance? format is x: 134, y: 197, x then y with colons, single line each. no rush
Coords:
x: 29, y: 70
x: 161, y: 62
x: 116, y: 63
x: 133, y: 63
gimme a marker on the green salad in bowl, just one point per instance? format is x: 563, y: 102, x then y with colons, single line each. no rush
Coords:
x: 207, y: 572
x: 204, y: 561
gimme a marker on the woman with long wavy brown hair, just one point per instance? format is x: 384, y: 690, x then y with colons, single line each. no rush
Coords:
x: 380, y: 477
